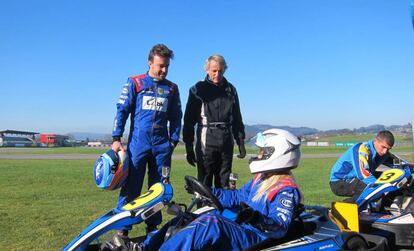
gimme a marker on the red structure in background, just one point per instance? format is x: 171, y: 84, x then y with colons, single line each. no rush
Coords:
x: 53, y: 139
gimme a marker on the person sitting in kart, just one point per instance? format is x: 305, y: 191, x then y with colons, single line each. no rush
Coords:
x: 265, y: 205
x: 355, y: 169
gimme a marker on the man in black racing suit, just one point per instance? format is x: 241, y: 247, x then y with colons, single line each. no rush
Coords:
x: 213, y: 105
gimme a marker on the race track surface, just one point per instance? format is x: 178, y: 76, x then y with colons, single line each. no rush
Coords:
x: 74, y: 156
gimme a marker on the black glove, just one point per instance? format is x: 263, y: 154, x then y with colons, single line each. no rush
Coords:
x: 191, y: 158
x: 174, y: 143
x: 248, y: 215
x: 242, y: 150
x: 189, y: 189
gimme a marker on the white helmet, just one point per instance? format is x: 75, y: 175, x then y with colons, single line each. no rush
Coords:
x: 279, y: 149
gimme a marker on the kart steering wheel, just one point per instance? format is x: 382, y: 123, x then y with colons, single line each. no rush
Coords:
x: 196, y: 186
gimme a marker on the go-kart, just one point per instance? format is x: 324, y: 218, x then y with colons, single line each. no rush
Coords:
x: 386, y: 207
x: 135, y: 212
x: 311, y: 229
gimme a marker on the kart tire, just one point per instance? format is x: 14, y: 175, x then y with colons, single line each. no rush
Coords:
x: 355, y: 242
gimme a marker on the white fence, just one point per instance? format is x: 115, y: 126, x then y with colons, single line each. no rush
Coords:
x: 317, y: 143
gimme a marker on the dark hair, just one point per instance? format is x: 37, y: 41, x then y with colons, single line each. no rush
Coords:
x: 160, y: 50
x: 386, y: 136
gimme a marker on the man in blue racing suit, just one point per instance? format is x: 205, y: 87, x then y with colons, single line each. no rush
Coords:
x: 153, y: 102
x: 266, y: 205
x: 356, y: 168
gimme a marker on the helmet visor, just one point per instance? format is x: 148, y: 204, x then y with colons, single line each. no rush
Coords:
x: 113, y: 160
x: 263, y: 154
x: 260, y: 140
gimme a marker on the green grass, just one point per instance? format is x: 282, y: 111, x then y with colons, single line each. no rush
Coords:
x: 46, y: 203
x: 51, y: 150
x: 358, y: 138
x: 180, y: 149
x: 63, y: 150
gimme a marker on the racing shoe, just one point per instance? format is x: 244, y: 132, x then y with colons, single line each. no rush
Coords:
x: 137, y: 247
x: 118, y: 242
x: 115, y: 243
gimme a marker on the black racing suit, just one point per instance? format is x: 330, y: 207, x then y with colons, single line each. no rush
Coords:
x: 216, y: 111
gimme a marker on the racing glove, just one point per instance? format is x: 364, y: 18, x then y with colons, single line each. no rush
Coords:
x: 173, y: 143
x: 248, y: 215
x: 191, y: 158
x: 189, y: 189
x: 242, y: 151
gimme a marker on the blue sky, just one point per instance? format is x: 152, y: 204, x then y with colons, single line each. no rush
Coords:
x: 323, y: 64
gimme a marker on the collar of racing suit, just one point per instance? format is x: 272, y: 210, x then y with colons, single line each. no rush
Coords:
x: 222, y: 82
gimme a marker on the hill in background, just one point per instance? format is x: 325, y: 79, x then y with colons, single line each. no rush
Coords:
x: 307, y: 132
x: 252, y: 130
x: 90, y: 136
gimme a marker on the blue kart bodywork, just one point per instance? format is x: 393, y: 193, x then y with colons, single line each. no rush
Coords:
x: 312, y: 229
x: 386, y: 207
x: 132, y: 213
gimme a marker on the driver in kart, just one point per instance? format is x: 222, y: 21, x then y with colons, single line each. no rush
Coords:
x: 356, y: 168
x: 265, y: 205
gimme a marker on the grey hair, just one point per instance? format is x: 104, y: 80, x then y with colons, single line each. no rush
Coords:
x: 219, y: 59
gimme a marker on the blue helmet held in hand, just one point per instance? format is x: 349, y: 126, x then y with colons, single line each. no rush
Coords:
x: 110, y: 170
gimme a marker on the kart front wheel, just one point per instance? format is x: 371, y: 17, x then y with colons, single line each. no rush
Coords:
x: 355, y: 243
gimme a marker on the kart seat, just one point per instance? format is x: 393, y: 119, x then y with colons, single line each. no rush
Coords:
x: 297, y: 228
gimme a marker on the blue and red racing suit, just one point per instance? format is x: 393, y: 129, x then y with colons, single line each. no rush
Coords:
x: 153, y: 105
x: 219, y: 233
x: 359, y: 161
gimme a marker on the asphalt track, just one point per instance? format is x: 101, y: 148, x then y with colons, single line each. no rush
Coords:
x: 79, y: 156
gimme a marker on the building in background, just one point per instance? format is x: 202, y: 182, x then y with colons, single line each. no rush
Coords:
x: 14, y: 138
x: 51, y: 140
